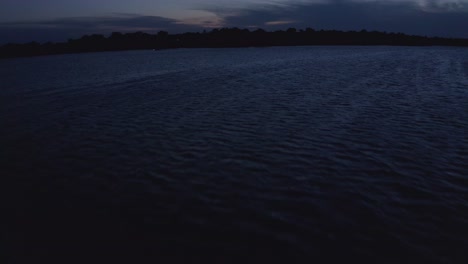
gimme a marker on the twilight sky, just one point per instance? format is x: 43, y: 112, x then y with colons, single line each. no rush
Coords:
x: 58, y: 20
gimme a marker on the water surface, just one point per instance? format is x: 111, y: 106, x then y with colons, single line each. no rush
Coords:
x: 279, y: 154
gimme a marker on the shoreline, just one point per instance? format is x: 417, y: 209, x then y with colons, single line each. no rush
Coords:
x: 224, y: 38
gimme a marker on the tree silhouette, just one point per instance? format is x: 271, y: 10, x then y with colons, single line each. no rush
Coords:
x: 222, y: 38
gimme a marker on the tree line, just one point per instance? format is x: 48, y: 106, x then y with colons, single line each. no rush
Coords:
x: 223, y: 38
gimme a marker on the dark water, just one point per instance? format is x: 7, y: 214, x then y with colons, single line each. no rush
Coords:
x: 277, y: 154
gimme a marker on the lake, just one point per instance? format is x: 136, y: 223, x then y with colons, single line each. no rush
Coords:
x: 282, y: 154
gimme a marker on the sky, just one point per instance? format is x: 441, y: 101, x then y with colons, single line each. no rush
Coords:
x: 58, y: 20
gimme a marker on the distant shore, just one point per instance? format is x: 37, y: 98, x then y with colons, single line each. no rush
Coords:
x: 223, y: 38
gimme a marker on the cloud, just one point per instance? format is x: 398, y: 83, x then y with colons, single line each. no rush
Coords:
x: 63, y: 28
x: 431, y: 17
x: 447, y: 18
x: 279, y: 22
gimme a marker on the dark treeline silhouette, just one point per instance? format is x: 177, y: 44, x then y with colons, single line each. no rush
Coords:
x: 223, y: 38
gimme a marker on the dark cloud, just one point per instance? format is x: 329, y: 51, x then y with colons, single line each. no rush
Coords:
x: 447, y: 18
x: 64, y: 28
x: 432, y: 19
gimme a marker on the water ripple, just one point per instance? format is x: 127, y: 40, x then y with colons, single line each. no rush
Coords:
x: 313, y: 150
